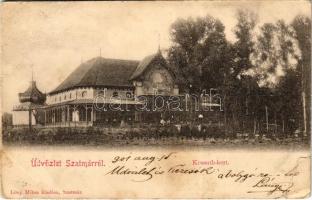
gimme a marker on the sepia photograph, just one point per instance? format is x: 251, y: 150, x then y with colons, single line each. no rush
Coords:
x: 147, y: 98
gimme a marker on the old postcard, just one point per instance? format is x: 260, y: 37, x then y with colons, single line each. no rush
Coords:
x: 190, y: 99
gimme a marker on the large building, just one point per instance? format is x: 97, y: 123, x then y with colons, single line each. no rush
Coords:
x: 105, y: 91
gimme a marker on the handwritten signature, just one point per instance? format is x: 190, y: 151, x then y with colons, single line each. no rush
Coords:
x: 269, y: 186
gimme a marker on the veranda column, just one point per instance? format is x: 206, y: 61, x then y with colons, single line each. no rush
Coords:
x: 92, y: 115
x: 45, y: 117
x: 64, y: 112
x: 86, y: 108
x: 56, y: 115
x: 60, y: 115
x: 53, y: 116
x: 30, y: 118
x: 68, y: 116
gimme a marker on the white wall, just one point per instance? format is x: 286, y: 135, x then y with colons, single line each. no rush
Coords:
x: 90, y: 93
x: 22, y: 118
x: 122, y: 93
x: 70, y: 95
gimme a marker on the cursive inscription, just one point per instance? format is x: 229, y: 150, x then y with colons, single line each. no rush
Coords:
x: 142, y: 168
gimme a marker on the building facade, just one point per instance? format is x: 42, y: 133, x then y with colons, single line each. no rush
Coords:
x: 105, y: 91
x: 110, y: 91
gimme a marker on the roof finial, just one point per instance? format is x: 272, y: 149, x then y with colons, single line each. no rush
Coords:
x: 32, y: 73
x: 158, y: 42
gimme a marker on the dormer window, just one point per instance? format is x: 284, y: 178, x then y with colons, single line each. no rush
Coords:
x: 101, y: 93
x: 129, y: 94
x: 84, y: 94
x: 115, y: 94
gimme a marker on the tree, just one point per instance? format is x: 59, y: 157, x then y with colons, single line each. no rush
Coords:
x: 7, y: 120
x: 239, y: 86
x: 289, y: 98
x: 276, y: 51
x: 244, y: 46
x: 302, y: 28
x: 276, y: 59
x: 200, y: 51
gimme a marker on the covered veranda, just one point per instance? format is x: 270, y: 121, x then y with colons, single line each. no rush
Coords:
x: 87, y: 112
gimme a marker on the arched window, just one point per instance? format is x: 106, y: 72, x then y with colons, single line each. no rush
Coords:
x: 101, y: 93
x: 115, y: 94
x: 84, y: 94
x: 70, y: 96
x: 129, y: 94
x: 65, y: 97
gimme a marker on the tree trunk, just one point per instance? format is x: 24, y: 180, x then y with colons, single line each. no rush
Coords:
x: 275, y: 122
x: 255, y: 126
x: 283, y: 123
x: 303, y: 81
x: 225, y: 115
x: 304, y: 113
x: 267, y: 118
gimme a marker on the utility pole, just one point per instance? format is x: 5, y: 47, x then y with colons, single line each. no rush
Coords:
x: 303, y: 100
x: 158, y: 42
x: 267, y: 118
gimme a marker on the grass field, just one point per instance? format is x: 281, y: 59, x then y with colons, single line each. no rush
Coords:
x: 152, y: 137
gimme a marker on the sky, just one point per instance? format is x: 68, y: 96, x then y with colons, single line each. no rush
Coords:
x: 53, y: 38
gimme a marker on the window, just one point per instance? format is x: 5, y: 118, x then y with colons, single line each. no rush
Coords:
x: 70, y: 96
x: 115, y: 94
x: 84, y: 94
x: 60, y: 98
x: 129, y: 94
x: 65, y: 97
x: 101, y: 93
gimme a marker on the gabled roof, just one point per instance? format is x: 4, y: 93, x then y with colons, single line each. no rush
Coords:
x: 100, y: 71
x: 107, y: 72
x: 146, y: 62
x: 158, y: 58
